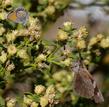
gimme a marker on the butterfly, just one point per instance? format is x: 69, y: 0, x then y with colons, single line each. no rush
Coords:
x: 84, y: 83
x: 19, y: 15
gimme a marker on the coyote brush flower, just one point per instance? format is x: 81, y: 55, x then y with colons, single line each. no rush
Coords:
x: 27, y: 100
x: 11, y: 36
x: 67, y: 26
x: 62, y: 35
x: 105, y: 42
x: 10, y: 67
x: 11, y: 102
x: 81, y: 44
x: 39, y: 89
x: 83, y: 32
x: 50, y: 90
x: 93, y: 41
x: 3, y: 57
x: 41, y: 58
x: 34, y: 104
x: 2, y: 30
x: 12, y: 49
x: 43, y: 101
x: 50, y: 10
x: 22, y: 53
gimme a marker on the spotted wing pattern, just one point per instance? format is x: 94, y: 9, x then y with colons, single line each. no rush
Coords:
x: 22, y: 15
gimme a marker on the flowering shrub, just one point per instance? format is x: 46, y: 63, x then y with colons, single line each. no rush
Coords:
x: 37, y: 72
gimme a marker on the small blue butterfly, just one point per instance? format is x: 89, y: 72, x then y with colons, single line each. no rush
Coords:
x: 19, y: 15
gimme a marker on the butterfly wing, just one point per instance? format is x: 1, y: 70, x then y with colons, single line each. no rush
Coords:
x: 12, y: 16
x: 98, y: 98
x: 83, y: 85
x: 22, y: 15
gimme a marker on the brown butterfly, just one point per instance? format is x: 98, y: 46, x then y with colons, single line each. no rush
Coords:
x: 84, y: 84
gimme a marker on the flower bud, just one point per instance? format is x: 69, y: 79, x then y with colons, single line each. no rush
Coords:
x: 40, y: 58
x: 43, y: 101
x: 43, y: 2
x: 66, y: 62
x: 67, y: 26
x: 11, y: 36
x: 50, y: 10
x: 2, y: 14
x: 83, y: 31
x: 60, y: 88
x: 2, y: 30
x: 34, y: 104
x: 86, y: 62
x: 11, y: 102
x: 8, y: 2
x: 93, y: 41
x: 81, y: 44
x: 62, y: 35
x: 12, y: 49
x: 104, y: 43
x: 3, y: 57
x: 60, y: 75
x: 50, y: 90
x: 99, y: 37
x: 10, y: 67
x: 27, y: 100
x: 22, y: 54
x: 39, y: 89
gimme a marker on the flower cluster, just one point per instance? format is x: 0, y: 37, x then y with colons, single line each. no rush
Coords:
x: 50, y: 9
x: 25, y: 54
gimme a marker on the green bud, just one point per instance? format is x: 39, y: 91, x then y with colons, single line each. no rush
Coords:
x: 50, y: 10
x: 67, y: 26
